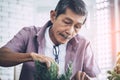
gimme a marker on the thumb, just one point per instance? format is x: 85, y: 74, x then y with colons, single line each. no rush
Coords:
x: 81, y: 76
x: 48, y: 63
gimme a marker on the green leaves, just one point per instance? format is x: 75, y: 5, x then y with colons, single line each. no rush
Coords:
x: 67, y: 74
x: 113, y: 75
x: 42, y: 73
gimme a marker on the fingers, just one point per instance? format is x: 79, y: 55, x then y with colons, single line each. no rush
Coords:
x: 77, y: 76
x: 84, y: 76
x: 48, y: 64
x: 42, y: 59
x: 81, y: 76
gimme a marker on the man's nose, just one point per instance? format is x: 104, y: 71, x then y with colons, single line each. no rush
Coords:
x: 70, y: 30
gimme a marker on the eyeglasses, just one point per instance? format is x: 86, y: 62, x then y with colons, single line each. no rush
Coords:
x: 56, y: 53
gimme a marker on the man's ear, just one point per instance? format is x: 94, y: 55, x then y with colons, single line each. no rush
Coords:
x: 52, y: 15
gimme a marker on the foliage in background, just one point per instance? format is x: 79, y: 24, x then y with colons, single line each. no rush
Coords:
x: 115, y: 73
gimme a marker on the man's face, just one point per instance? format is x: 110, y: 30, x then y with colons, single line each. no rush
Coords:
x: 65, y: 26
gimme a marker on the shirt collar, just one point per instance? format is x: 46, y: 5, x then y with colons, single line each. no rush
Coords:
x: 47, y: 38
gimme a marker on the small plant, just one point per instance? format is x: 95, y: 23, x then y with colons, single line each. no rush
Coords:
x: 42, y: 73
x: 67, y: 74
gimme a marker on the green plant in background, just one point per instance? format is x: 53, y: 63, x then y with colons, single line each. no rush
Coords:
x: 113, y: 75
x: 42, y: 73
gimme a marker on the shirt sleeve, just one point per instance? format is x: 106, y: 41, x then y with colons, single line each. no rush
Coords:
x: 90, y: 66
x: 19, y: 41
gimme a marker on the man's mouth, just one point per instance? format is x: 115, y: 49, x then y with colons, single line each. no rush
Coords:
x: 65, y: 36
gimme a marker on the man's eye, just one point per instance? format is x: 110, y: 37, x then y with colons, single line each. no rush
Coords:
x: 78, y: 27
x: 66, y: 22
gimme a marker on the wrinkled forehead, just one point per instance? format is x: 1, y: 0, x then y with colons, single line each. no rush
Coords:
x: 70, y: 15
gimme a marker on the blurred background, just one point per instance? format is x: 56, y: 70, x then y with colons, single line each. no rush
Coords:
x: 102, y: 28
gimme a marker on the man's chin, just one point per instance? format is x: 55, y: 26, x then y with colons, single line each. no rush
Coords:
x: 63, y: 42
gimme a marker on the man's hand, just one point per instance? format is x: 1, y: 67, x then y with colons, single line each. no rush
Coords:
x: 42, y: 59
x: 81, y: 76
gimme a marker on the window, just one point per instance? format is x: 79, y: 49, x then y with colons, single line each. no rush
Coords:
x: 103, y: 39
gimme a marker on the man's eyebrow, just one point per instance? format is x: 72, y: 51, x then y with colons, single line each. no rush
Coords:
x: 67, y: 18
